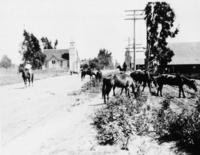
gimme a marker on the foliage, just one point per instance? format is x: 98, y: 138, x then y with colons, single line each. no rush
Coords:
x: 31, y: 51
x: 95, y: 63
x: 160, y: 21
x: 84, y: 66
x: 47, y: 44
x: 117, y: 121
x: 184, y: 128
x: 105, y: 58
x: 5, y: 62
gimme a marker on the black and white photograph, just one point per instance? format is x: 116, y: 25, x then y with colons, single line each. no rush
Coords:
x: 99, y: 77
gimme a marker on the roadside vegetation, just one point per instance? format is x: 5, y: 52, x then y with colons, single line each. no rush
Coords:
x: 169, y: 119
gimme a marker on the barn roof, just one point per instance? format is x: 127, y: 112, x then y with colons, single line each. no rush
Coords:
x: 186, y: 53
x: 57, y: 53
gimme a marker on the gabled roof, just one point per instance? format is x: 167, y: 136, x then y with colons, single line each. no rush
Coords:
x: 186, y: 53
x: 57, y: 53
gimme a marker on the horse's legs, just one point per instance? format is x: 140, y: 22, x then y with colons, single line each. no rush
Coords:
x: 144, y: 85
x: 158, y: 90
x: 127, y: 91
x: 149, y: 85
x: 122, y: 90
x: 181, y: 90
x: 32, y: 78
x: 113, y: 90
x: 161, y: 88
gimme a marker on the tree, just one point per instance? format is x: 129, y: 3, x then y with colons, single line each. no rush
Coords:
x: 5, y: 62
x: 31, y: 51
x: 105, y: 58
x: 47, y: 44
x: 94, y: 63
x: 160, y: 21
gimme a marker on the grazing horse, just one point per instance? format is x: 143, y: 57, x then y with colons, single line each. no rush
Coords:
x: 106, y: 88
x: 87, y: 72
x: 123, y: 81
x: 121, y: 69
x: 26, y: 75
x: 174, y: 80
x: 143, y: 77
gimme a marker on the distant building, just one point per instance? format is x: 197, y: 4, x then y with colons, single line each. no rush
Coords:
x: 128, y: 58
x: 185, y: 61
x: 66, y: 59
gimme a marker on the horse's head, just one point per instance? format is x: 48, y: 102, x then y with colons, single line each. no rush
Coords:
x: 192, y: 85
x: 119, y: 67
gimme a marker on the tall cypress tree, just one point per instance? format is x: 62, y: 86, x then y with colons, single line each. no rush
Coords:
x: 160, y: 26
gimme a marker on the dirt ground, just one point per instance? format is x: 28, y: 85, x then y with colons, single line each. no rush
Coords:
x: 54, y: 118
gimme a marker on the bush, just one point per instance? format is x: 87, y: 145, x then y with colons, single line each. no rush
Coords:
x: 184, y: 128
x: 117, y: 121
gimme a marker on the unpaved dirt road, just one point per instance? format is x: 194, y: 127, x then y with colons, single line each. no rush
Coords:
x: 45, y: 118
x: 54, y: 118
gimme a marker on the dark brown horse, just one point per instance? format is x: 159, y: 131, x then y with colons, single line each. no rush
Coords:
x: 26, y: 75
x: 121, y: 81
x: 174, y: 80
x: 98, y: 76
x: 121, y: 69
x: 143, y: 77
x: 85, y: 72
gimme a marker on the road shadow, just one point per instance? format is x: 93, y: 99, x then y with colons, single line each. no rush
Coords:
x: 20, y: 87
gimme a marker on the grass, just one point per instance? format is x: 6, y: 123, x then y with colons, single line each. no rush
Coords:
x: 10, y: 76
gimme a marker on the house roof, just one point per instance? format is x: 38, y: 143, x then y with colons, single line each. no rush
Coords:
x: 57, y: 53
x: 185, y: 53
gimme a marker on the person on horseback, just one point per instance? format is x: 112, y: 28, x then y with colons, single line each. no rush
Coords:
x: 28, y: 67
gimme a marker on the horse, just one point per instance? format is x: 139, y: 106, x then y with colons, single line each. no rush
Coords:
x: 174, y: 80
x: 87, y: 72
x: 121, y: 69
x: 26, y: 75
x: 123, y: 81
x: 143, y: 77
x: 98, y: 76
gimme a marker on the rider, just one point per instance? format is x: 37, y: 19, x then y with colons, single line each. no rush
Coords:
x: 28, y: 66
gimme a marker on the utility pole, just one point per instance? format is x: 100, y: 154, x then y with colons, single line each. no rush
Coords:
x: 134, y: 15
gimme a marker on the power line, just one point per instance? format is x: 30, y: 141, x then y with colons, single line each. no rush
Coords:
x: 134, y: 15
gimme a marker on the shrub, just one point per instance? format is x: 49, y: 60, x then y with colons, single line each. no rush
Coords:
x: 184, y: 128
x: 120, y: 117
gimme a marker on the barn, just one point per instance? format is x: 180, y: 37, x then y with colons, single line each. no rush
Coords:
x: 185, y: 61
x: 65, y: 59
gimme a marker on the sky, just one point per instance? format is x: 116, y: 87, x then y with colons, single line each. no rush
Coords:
x: 91, y: 24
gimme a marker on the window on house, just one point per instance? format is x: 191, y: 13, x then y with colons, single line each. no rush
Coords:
x: 53, y: 61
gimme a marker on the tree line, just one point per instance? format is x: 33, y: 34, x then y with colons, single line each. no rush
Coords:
x: 31, y: 50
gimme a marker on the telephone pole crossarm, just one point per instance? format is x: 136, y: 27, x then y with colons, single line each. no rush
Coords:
x: 134, y: 15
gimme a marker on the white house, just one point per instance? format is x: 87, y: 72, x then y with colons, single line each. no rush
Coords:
x: 66, y: 59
